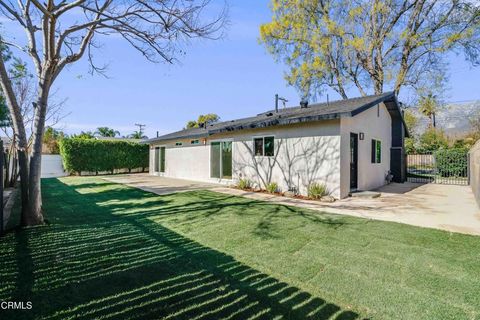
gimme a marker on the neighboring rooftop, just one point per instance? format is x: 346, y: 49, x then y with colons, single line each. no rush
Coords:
x: 313, y: 112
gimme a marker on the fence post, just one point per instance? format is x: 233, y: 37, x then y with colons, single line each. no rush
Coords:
x: 2, y: 167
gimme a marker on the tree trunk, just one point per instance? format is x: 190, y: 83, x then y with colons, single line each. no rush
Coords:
x: 35, y: 190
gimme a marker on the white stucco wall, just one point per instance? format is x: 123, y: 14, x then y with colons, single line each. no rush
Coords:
x: 304, y: 153
x: 375, y: 124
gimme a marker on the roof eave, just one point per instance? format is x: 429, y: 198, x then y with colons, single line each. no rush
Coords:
x: 279, y: 121
x: 162, y: 139
x: 390, y: 96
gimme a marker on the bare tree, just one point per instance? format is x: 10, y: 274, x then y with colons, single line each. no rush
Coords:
x: 25, y: 93
x: 59, y: 33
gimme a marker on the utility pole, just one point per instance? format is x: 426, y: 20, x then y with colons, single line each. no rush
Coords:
x: 140, y: 127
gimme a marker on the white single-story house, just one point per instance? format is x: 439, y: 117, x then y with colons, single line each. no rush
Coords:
x: 349, y: 145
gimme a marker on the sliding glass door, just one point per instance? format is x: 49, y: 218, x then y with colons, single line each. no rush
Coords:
x: 155, y: 159
x: 221, y: 160
x: 162, y: 159
x: 227, y: 159
x: 215, y: 159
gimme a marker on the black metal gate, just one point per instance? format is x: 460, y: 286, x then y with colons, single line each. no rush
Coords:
x: 442, y: 167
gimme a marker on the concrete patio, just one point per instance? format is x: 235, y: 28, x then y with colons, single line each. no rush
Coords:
x: 447, y: 207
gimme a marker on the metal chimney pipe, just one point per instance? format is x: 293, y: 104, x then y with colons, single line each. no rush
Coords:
x: 276, y: 103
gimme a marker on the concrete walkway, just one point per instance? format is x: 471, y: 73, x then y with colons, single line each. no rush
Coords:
x: 446, y: 207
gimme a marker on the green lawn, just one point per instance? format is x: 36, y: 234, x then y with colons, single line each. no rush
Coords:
x: 112, y: 252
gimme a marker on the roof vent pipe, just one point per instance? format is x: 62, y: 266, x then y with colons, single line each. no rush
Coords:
x: 303, y: 104
x: 276, y: 103
x: 277, y: 98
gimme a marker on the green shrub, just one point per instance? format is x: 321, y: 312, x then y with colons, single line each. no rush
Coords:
x: 272, y: 187
x: 244, y: 184
x: 432, y: 140
x: 317, y: 190
x: 452, y: 162
x: 102, y: 155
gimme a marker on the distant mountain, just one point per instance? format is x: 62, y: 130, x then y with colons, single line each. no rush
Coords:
x: 454, y: 118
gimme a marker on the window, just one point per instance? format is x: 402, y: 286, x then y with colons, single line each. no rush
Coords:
x: 376, y: 151
x: 194, y: 142
x: 178, y: 144
x: 258, y: 144
x: 264, y: 146
x: 268, y: 146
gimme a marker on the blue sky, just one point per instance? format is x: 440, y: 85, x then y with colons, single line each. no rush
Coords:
x: 233, y: 77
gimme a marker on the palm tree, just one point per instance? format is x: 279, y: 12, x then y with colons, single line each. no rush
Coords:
x: 138, y: 135
x: 106, y: 132
x: 428, y: 106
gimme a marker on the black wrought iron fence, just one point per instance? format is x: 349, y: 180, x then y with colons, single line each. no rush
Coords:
x: 442, y: 167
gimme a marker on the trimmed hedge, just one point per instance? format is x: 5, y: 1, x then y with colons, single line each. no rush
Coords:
x: 80, y: 155
x: 452, y: 162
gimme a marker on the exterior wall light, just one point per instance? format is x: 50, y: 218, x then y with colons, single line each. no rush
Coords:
x: 361, y: 136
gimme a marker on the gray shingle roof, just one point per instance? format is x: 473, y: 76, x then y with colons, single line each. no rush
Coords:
x: 314, y: 112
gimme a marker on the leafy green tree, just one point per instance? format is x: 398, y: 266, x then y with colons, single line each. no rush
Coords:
x: 203, y: 120
x: 411, y: 121
x: 51, y: 137
x: 84, y: 135
x: 433, y: 139
x: 4, y: 116
x: 106, y: 132
x: 410, y: 147
x: 369, y: 44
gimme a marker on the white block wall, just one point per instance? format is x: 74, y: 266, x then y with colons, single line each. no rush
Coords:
x: 52, y: 166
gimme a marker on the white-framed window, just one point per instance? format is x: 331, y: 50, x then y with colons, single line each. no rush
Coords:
x: 178, y: 144
x: 376, y: 151
x: 196, y: 141
x: 264, y: 146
